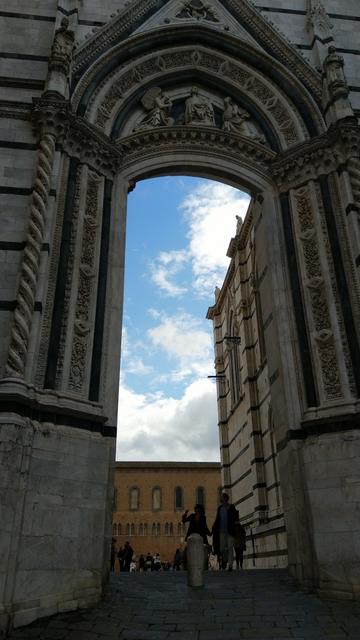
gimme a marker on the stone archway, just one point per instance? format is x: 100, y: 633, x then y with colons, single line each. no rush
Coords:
x: 60, y: 385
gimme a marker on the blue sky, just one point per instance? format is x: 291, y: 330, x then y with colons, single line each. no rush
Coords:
x: 178, y: 232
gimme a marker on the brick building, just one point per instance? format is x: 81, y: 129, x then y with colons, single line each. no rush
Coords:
x: 150, y: 498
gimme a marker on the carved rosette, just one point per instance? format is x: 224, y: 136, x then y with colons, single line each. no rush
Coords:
x: 31, y: 261
x: 315, y: 284
x: 86, y: 287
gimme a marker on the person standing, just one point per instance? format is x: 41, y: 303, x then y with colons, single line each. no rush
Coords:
x: 197, y: 523
x: 223, y: 531
x: 239, y: 544
x: 127, y: 556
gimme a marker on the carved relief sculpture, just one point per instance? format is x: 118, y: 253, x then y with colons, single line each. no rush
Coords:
x: 234, y: 121
x: 197, y: 10
x: 335, y: 87
x: 198, y: 109
x: 60, y: 61
x: 159, y: 105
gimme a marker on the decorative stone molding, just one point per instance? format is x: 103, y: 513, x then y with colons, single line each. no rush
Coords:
x: 354, y: 173
x: 53, y: 268
x: 145, y: 143
x: 80, y: 179
x: 51, y: 115
x: 25, y: 301
x: 244, y: 12
x: 77, y: 136
x: 318, y: 20
x: 288, y: 123
x: 92, y: 146
x: 86, y: 286
x: 15, y: 110
x: 320, y: 156
x: 324, y: 337
x: 126, y: 22
x: 350, y: 268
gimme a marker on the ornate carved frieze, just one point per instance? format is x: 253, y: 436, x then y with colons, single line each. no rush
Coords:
x: 192, y: 139
x: 332, y: 277
x: 320, y: 156
x: 86, y: 286
x: 287, y: 122
x: 69, y: 275
x: 315, y: 284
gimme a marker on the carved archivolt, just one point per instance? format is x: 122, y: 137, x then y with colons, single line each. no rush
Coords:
x: 106, y: 104
x: 244, y: 12
x: 319, y: 308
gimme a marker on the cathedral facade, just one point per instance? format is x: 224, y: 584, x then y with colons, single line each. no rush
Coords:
x: 94, y: 97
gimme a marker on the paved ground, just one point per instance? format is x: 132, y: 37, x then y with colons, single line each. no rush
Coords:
x: 238, y: 605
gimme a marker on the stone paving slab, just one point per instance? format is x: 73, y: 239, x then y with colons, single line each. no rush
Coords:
x: 245, y: 605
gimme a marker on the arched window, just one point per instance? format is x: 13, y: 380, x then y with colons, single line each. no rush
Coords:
x: 127, y: 529
x: 200, y: 496
x: 119, y: 529
x: 171, y: 529
x: 132, y: 529
x: 158, y: 529
x: 134, y: 498
x: 156, y: 499
x: 179, y: 498
x: 179, y: 529
x: 141, y: 529
x: 153, y: 529
x: 145, y: 529
x: 166, y: 528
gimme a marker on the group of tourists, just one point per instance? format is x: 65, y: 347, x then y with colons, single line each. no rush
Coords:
x: 227, y: 532
x: 228, y: 536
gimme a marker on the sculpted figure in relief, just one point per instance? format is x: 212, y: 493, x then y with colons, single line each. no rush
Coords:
x: 62, y: 46
x: 196, y: 9
x: 159, y: 105
x: 198, y: 109
x: 234, y: 121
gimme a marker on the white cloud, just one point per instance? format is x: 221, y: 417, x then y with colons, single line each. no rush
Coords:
x: 183, y: 339
x: 153, y: 427
x: 165, y: 267
x: 210, y: 211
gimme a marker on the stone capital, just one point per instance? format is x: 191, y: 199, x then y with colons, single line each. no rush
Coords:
x: 316, y: 157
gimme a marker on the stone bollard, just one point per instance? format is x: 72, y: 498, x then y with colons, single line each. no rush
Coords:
x: 195, y: 553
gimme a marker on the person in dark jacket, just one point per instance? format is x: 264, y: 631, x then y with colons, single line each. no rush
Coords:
x: 197, y: 523
x: 223, y: 531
